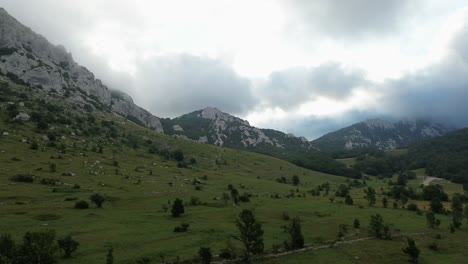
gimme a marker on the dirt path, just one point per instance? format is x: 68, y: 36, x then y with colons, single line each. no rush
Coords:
x: 313, y: 248
x: 428, y: 179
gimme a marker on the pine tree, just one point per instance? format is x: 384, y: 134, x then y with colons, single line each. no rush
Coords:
x: 251, y: 233
x: 177, y: 208
x: 412, y: 250
x: 294, y: 230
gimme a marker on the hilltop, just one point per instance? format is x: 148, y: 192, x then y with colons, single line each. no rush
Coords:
x: 381, y: 134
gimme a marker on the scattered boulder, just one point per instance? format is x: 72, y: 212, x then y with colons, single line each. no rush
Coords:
x: 22, y: 117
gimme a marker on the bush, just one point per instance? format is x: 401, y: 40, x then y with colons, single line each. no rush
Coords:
x: 205, y: 255
x: 98, y: 199
x: 34, y: 145
x: 81, y: 205
x: 39, y: 247
x: 182, y: 228
x: 68, y: 245
x: 23, y: 178
x: 177, y: 208
x: 49, y: 181
x: 178, y: 155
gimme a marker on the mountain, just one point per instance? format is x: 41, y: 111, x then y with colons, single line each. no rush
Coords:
x: 212, y: 126
x: 379, y: 133
x: 28, y: 58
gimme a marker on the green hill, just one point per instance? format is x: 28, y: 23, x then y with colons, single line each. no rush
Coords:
x: 72, y: 154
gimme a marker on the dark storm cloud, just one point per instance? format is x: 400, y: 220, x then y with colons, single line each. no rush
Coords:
x: 439, y: 92
x: 313, y: 127
x: 172, y: 85
x: 351, y: 18
x: 289, y: 88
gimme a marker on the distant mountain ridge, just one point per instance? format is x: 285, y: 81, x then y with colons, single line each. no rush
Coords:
x: 380, y: 133
x: 28, y: 58
x: 210, y: 125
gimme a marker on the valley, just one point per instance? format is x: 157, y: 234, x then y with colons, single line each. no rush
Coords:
x: 89, y: 176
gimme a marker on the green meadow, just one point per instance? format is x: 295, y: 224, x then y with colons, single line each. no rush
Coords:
x: 140, y: 185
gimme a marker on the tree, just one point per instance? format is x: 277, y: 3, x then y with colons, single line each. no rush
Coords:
x: 349, y: 200
x: 251, y: 233
x: 356, y: 223
x: 432, y: 221
x: 226, y: 198
x: 378, y: 229
x: 384, y: 202
x: 205, y: 255
x: 39, y: 248
x: 68, y: 245
x: 457, y: 210
x: 7, y: 248
x: 437, y: 206
x: 110, y: 256
x: 294, y: 230
x: 177, y: 208
x: 98, y: 199
x: 412, y: 250
x: 295, y: 180
x: 370, y: 195
x: 235, y: 195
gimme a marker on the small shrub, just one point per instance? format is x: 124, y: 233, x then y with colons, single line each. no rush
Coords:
x: 98, y: 199
x: 34, y: 145
x: 195, y: 201
x: 49, y: 181
x: 433, y: 246
x: 182, y: 228
x: 81, y: 205
x: 285, y: 216
x: 23, y: 178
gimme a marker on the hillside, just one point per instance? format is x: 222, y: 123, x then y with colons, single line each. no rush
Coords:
x: 444, y: 156
x: 28, y: 58
x: 212, y: 126
x: 72, y: 154
x: 381, y: 134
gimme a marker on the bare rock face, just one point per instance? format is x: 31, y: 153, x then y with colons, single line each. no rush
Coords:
x: 212, y: 126
x: 381, y: 134
x: 125, y: 106
x: 28, y: 58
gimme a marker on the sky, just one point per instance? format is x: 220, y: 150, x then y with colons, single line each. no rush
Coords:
x: 306, y: 67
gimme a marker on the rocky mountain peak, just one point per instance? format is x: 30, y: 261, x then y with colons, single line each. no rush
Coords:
x: 28, y: 58
x: 216, y: 114
x: 381, y: 134
x: 378, y: 123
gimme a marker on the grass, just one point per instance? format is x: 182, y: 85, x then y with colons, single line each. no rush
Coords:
x: 133, y: 220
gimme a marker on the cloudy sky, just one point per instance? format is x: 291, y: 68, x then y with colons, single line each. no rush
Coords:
x: 301, y: 66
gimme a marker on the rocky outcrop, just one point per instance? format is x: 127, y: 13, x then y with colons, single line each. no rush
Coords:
x: 28, y: 58
x: 380, y: 133
x: 124, y: 106
x: 210, y: 125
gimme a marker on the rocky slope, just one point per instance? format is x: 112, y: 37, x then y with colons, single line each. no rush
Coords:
x: 379, y: 133
x: 28, y: 58
x: 210, y: 125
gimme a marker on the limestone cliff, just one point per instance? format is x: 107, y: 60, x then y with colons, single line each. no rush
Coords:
x: 28, y: 58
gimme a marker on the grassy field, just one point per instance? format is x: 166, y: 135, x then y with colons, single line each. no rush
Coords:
x: 138, y: 186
